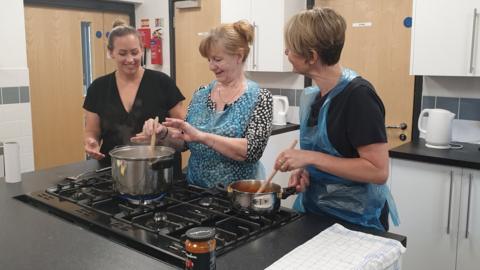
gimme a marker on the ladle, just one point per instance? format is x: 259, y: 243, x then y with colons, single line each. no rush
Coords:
x: 269, y: 179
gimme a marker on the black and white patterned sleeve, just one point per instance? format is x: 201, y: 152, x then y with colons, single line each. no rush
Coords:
x: 260, y: 126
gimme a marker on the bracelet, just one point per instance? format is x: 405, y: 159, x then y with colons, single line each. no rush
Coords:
x: 164, y: 136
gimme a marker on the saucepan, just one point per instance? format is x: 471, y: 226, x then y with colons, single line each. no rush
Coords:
x: 139, y: 170
x: 244, y: 197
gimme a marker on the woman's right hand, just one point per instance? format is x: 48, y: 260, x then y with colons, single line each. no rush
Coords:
x: 300, y: 178
x: 149, y: 127
x: 92, y: 148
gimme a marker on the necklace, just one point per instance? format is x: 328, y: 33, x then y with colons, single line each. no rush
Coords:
x: 228, y: 100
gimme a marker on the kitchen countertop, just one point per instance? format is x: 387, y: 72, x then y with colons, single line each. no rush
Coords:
x: 285, y: 128
x: 467, y: 157
x: 33, y: 239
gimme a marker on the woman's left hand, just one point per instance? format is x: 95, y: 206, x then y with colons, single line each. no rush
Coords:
x: 291, y: 159
x: 184, y: 131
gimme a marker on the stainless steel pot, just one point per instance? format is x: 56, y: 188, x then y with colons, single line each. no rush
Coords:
x: 244, y: 196
x: 141, y: 170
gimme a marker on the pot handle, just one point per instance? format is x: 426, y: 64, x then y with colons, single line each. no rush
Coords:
x: 161, y: 164
x: 286, y: 192
x: 221, y: 187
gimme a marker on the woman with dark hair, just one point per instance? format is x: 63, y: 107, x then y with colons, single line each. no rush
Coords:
x: 118, y: 104
x: 342, y: 166
x: 228, y: 121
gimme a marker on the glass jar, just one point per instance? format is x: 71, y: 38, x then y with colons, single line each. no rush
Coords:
x: 200, y: 248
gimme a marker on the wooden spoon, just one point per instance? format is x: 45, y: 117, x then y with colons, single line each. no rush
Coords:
x: 269, y: 179
x: 154, y: 135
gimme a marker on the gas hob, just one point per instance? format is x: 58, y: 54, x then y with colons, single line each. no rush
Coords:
x: 156, y: 228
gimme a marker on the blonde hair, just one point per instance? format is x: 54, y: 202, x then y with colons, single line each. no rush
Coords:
x: 120, y: 29
x: 234, y: 37
x: 318, y: 29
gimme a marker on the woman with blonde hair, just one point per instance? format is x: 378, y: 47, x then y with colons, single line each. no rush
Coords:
x: 228, y: 121
x: 342, y: 166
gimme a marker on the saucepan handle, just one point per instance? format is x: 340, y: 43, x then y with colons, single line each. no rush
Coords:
x: 286, y: 192
x: 221, y: 187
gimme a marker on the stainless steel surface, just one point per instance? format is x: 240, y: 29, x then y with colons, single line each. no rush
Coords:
x: 470, y: 176
x: 245, y: 198
x: 141, y: 170
x: 450, y: 202
x: 472, y: 46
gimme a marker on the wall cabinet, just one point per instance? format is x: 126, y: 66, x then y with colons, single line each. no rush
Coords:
x: 268, y: 18
x: 445, y: 38
x: 438, y: 205
x: 276, y: 144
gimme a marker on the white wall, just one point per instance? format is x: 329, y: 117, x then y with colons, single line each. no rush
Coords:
x: 465, y: 87
x: 15, y: 119
x: 13, y: 66
x: 151, y: 9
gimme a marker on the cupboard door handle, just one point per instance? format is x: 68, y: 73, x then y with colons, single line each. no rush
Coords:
x: 472, y: 47
x: 450, y: 202
x: 254, y: 47
x: 468, y: 204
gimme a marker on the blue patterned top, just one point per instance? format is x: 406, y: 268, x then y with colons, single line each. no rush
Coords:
x: 241, y: 119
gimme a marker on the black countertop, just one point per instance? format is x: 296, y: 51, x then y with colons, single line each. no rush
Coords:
x: 467, y: 157
x: 33, y: 239
x: 285, y: 128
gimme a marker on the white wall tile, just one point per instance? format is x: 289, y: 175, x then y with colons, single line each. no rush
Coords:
x: 6, y: 112
x: 26, y: 127
x: 465, y: 87
x: 11, y: 77
x: 26, y: 144
x: 466, y: 131
x: 9, y: 131
x: 284, y: 80
x: 292, y: 115
x: 26, y: 162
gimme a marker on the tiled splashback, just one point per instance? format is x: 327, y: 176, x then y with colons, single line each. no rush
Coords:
x: 16, y: 122
x: 463, y: 108
x: 14, y: 95
x: 293, y: 95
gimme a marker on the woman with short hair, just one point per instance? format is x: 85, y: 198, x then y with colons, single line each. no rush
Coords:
x: 342, y: 166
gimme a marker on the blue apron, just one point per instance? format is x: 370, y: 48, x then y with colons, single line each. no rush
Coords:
x: 206, y: 167
x: 355, y: 202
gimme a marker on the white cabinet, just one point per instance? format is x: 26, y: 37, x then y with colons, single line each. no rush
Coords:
x: 433, y: 202
x: 268, y: 18
x: 445, y: 38
x: 468, y: 254
x: 276, y: 144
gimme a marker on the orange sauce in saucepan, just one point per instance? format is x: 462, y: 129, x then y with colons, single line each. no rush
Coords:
x: 253, y: 186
